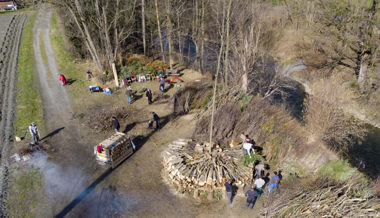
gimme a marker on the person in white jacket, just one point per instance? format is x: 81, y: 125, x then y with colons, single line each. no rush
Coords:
x: 34, y: 132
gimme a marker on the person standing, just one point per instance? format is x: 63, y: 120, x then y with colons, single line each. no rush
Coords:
x: 115, y: 124
x: 34, y: 132
x: 273, y: 182
x: 129, y: 93
x: 89, y: 75
x: 228, y: 186
x: 251, y: 195
x: 62, y: 78
x: 162, y: 85
x: 259, y: 183
x: 157, y: 119
x: 259, y: 170
x: 247, y: 147
x: 148, y: 94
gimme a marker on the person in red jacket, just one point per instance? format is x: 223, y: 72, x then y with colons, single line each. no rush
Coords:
x: 62, y: 79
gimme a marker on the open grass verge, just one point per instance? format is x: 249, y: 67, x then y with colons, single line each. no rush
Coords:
x: 29, y: 102
x: 72, y: 69
x: 26, y: 184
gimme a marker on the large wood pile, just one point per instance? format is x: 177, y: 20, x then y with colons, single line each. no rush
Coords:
x: 193, y: 166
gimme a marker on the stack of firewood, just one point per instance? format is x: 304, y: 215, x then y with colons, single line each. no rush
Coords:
x: 195, y: 166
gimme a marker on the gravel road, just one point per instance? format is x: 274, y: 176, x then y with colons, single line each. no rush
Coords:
x: 11, y: 26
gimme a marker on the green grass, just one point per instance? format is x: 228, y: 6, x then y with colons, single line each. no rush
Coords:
x: 339, y: 171
x: 66, y: 64
x: 23, y: 198
x: 247, y: 159
x: 29, y: 102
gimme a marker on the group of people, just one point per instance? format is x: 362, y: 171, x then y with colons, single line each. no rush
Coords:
x: 255, y: 190
x: 148, y: 94
x: 116, y: 125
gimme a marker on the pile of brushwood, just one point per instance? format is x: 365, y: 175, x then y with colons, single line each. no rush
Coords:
x: 99, y: 118
x: 194, y: 167
x: 323, y: 198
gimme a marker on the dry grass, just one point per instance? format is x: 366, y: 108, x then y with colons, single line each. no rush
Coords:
x: 326, y: 121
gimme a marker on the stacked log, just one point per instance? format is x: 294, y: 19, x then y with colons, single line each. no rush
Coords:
x: 199, y: 167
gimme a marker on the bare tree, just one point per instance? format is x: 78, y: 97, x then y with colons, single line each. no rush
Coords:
x: 76, y: 10
x: 143, y: 24
x: 347, y: 33
x: 159, y: 30
x: 248, y: 30
x: 222, y: 41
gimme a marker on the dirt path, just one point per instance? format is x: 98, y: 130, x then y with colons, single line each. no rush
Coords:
x: 9, y: 47
x: 75, y: 186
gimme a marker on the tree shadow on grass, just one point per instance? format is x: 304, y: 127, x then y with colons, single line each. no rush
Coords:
x: 139, y: 142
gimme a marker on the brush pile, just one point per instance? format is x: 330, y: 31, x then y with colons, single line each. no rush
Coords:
x: 192, y: 166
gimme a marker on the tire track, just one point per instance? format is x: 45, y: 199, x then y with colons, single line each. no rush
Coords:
x: 8, y: 100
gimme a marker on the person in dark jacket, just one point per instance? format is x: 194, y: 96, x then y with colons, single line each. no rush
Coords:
x: 157, y: 119
x: 251, y: 195
x: 148, y: 95
x: 89, y: 75
x: 115, y: 124
x: 228, y: 186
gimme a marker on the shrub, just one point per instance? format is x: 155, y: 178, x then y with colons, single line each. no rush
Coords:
x: 248, y: 159
x: 139, y: 64
x: 328, y: 122
x: 339, y: 171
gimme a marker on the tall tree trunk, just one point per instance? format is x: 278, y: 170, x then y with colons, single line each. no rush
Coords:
x: 88, y: 37
x: 108, y: 46
x: 143, y: 24
x: 84, y: 37
x: 170, y: 30
x: 244, y: 80
x: 227, y: 44
x: 179, y: 38
x: 216, y: 77
x: 159, y: 30
x: 363, y: 73
x: 202, y: 37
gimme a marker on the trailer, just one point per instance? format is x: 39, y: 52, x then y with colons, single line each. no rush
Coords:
x: 113, y: 150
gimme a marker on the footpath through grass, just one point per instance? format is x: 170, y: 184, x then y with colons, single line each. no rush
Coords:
x: 25, y: 182
x: 29, y: 102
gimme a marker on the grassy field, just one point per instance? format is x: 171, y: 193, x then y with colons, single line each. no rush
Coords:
x: 29, y: 102
x: 74, y: 70
x: 24, y: 183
